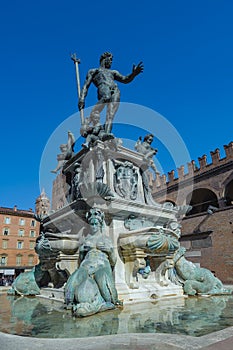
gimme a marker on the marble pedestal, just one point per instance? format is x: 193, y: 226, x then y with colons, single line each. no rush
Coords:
x: 115, y: 180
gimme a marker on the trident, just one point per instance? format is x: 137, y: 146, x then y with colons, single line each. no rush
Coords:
x: 76, y: 62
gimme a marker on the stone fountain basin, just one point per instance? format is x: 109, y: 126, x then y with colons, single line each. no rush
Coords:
x: 66, y: 242
x: 137, y: 239
x: 66, y: 246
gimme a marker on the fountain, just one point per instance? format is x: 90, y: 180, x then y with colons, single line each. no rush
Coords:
x: 112, y: 245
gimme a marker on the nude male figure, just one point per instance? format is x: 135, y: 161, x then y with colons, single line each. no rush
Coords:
x: 108, y: 92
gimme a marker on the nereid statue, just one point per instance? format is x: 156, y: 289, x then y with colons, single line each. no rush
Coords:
x: 195, y: 280
x: 42, y: 275
x: 91, y: 288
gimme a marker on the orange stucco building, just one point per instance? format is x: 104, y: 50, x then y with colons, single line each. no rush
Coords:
x: 18, y: 232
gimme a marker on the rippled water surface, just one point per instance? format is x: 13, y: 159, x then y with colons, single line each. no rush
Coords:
x: 37, y: 317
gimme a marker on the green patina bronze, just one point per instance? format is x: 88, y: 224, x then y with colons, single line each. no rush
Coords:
x: 195, y: 280
x: 91, y: 289
x: 43, y: 274
x: 25, y: 284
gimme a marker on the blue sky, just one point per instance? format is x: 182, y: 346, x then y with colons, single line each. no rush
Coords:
x: 187, y: 50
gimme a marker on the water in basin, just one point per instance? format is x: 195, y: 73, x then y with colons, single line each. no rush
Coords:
x: 43, y: 318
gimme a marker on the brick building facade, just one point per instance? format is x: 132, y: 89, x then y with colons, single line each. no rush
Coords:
x: 18, y: 232
x: 207, y: 230
x: 42, y: 205
x: 59, y: 192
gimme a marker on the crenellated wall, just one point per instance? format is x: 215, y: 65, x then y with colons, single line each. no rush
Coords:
x: 208, y: 175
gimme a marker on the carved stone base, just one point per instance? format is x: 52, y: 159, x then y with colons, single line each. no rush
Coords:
x: 69, y: 262
x: 53, y: 294
x: 148, y: 291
